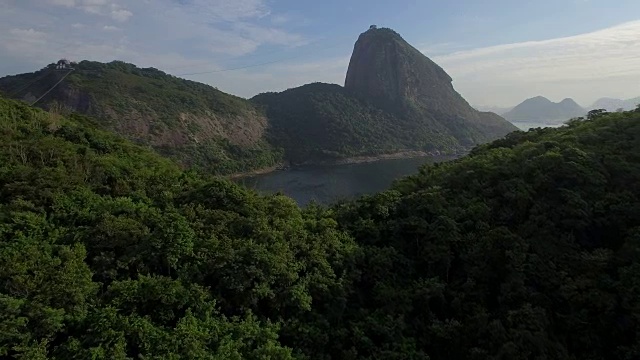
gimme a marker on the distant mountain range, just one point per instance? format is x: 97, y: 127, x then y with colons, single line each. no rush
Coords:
x: 542, y: 110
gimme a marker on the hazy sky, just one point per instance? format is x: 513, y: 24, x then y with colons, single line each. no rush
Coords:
x: 499, y: 52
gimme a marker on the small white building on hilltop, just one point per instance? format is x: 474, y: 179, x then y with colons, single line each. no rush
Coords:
x: 64, y: 64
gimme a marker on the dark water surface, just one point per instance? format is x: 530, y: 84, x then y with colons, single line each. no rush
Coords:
x: 330, y: 183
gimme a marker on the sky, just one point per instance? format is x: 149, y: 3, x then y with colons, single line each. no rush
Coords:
x: 499, y: 52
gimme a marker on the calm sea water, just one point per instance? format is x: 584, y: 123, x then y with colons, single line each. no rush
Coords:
x: 328, y: 184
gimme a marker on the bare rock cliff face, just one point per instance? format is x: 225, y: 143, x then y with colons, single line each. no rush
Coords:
x: 388, y: 70
x: 383, y: 65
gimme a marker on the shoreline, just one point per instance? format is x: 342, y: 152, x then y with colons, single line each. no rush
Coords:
x: 250, y: 173
x: 346, y: 161
x: 374, y: 158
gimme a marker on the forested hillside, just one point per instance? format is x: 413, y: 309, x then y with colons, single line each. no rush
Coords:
x: 193, y: 123
x: 108, y: 251
x: 320, y: 121
x: 527, y: 248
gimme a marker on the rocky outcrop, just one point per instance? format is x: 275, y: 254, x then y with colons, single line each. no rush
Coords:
x: 388, y: 70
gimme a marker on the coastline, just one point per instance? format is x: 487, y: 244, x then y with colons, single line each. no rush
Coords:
x: 345, y: 161
x: 250, y: 173
x: 374, y: 158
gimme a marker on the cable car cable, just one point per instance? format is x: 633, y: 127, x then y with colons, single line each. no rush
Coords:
x: 53, y: 87
x: 16, y: 92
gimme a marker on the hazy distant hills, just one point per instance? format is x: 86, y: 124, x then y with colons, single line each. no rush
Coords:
x: 542, y: 110
x: 611, y: 104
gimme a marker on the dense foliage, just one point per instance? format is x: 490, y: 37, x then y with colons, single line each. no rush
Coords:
x: 167, y: 95
x: 193, y: 123
x: 108, y: 251
x: 529, y: 248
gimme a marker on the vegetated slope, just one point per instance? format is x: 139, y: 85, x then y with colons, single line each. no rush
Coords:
x: 394, y: 99
x: 527, y: 248
x: 319, y: 121
x: 193, y: 123
x: 108, y: 251
x: 541, y: 109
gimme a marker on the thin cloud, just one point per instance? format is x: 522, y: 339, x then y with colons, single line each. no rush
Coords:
x: 67, y: 3
x: 279, y: 19
x: 202, y: 28
x: 121, y: 15
x: 33, y: 46
x: 224, y: 10
x: 336, y: 67
x: 110, y: 28
x: 279, y: 76
x: 28, y: 35
x: 270, y: 35
x: 97, y: 7
x: 515, y: 71
x: 233, y: 28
